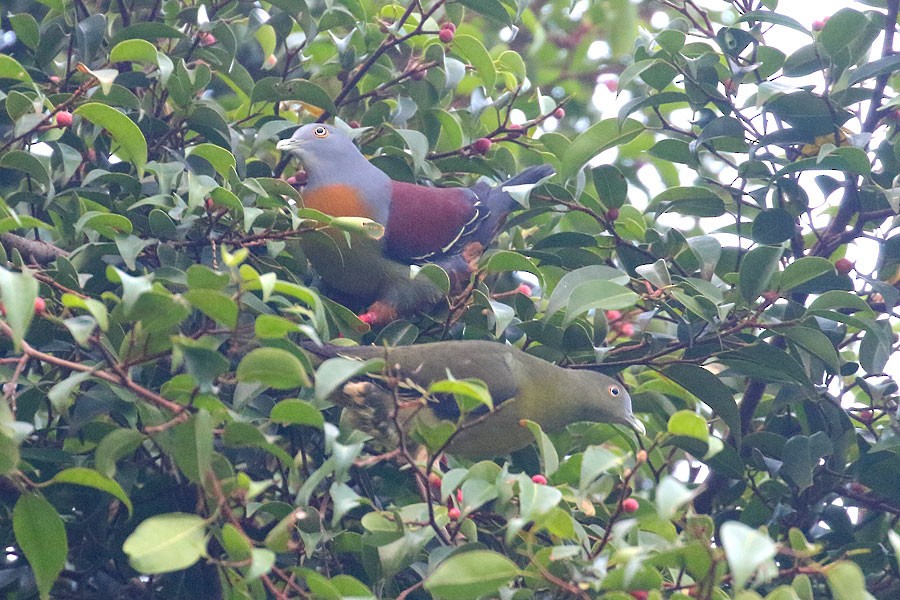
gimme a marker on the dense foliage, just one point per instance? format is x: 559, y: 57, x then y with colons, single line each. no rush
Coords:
x: 163, y: 434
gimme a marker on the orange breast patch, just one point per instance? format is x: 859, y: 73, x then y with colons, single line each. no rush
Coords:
x: 337, y: 201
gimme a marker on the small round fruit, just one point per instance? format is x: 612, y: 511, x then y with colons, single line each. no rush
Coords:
x: 515, y: 130
x: 63, y: 118
x: 771, y: 296
x: 865, y: 415
x: 434, y: 480
x: 459, y: 496
x: 454, y: 514
x: 524, y: 288
x: 626, y: 329
x: 448, y: 25
x: 613, y: 315
x: 630, y: 505
x: 612, y: 214
x: 843, y: 266
x: 446, y: 35
x: 354, y: 124
x: 539, y: 479
x: 482, y: 145
x: 639, y: 594
x: 40, y: 306
x: 559, y: 113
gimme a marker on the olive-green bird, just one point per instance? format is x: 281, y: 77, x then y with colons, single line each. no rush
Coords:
x: 521, y: 386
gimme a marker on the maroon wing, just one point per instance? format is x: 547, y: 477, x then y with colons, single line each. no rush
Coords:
x: 425, y: 222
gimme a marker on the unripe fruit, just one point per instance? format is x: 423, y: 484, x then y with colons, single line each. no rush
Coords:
x: 641, y: 456
x: 454, y: 514
x: 559, y: 113
x: 40, y: 305
x: 612, y: 214
x: 843, y: 266
x: 446, y: 35
x: 271, y: 60
x: 630, y: 505
x: 63, y: 118
x: 539, y: 479
x: 482, y: 145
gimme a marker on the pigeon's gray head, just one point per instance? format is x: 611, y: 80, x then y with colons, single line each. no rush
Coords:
x: 322, y: 146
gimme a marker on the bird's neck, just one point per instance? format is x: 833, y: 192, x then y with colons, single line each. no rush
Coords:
x: 362, y: 178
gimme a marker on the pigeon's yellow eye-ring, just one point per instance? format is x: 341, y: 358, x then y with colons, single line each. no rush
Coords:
x: 320, y: 132
x: 614, y: 390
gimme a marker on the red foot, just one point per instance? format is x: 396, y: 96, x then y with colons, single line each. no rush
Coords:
x: 369, y: 318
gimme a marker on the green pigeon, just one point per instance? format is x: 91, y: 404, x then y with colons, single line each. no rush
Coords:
x: 522, y: 387
x: 449, y: 227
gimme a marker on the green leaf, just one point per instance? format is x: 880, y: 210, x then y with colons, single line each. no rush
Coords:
x: 214, y: 304
x: 221, y: 159
x: 757, y: 269
x: 128, y: 137
x: 802, y: 270
x: 710, y: 390
x: 135, y: 50
x: 93, y: 479
x: 42, y: 537
x: 749, y: 552
x: 335, y: 372
x: 273, y: 367
x: 492, y: 9
x: 690, y: 200
x: 471, y: 575
x: 27, y: 163
x: 773, y: 226
x: 689, y: 424
x: 11, y: 69
x: 17, y: 293
x: 596, y: 139
x: 166, y: 543
x: 474, y: 52
x: 193, y: 446
x: 801, y: 456
x: 297, y: 412
x: 846, y: 581
x: 611, y: 185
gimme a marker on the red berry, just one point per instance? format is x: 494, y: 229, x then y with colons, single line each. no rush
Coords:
x: 539, y: 479
x: 626, y: 329
x: 209, y: 204
x: 354, y: 124
x: 639, y: 594
x: 434, y: 480
x: 63, y: 118
x: 454, y: 514
x: 40, y: 305
x: 514, y: 130
x: 820, y: 24
x: 206, y: 38
x: 448, y: 25
x: 612, y: 214
x: 524, y: 288
x: 630, y: 505
x: 459, y: 496
x: 54, y: 79
x: 446, y: 35
x: 368, y: 318
x: 843, y: 266
x: 559, y: 113
x: 613, y: 315
x: 611, y: 84
x: 482, y: 145
x: 866, y: 415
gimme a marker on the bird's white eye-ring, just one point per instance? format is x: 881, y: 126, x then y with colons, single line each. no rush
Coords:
x: 614, y: 390
x: 320, y: 132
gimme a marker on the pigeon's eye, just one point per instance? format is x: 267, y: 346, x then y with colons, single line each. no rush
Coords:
x: 320, y: 132
x: 614, y: 390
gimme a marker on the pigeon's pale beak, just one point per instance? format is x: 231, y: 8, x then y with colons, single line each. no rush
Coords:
x: 287, y: 144
x: 637, y: 425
